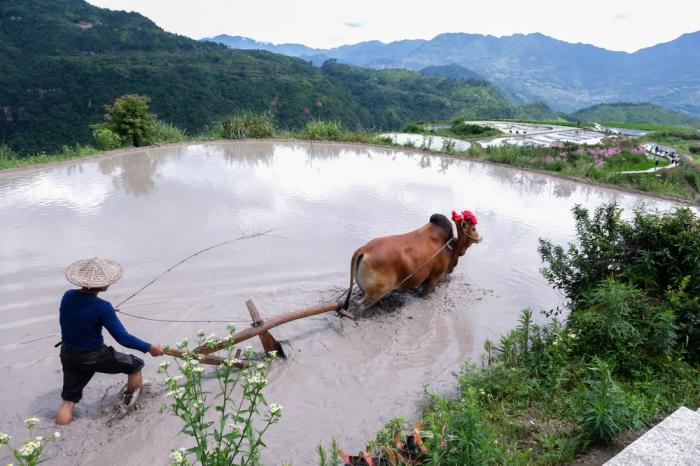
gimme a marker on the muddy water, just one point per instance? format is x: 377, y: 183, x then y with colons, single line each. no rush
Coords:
x: 148, y: 209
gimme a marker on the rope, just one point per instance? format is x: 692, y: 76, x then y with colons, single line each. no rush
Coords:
x: 188, y: 258
x: 254, y: 235
x: 229, y: 321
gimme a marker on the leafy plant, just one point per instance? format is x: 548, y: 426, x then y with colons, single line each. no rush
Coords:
x: 604, y: 412
x: 246, y: 124
x: 106, y: 138
x: 230, y: 436
x: 129, y: 118
x: 322, y: 130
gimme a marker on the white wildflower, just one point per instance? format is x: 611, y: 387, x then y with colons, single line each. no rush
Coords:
x: 556, y: 343
x: 28, y: 448
x: 4, y: 438
x: 164, y: 365
x: 231, y: 328
x: 31, y: 422
x: 39, y: 438
x: 275, y: 408
x: 272, y: 354
x: 56, y: 435
x: 572, y: 336
x: 261, y: 365
x: 201, y: 333
x: 183, y: 343
x: 177, y: 457
x: 198, y: 369
x: 232, y: 362
x: 257, y: 380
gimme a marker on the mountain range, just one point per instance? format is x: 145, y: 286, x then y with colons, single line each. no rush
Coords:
x: 533, y: 67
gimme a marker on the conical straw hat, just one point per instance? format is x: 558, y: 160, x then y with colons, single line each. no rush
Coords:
x: 94, y: 273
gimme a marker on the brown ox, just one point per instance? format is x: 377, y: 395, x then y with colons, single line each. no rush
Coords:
x: 419, y: 258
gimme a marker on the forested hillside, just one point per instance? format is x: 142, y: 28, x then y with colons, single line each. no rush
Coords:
x: 64, y: 60
x: 634, y: 113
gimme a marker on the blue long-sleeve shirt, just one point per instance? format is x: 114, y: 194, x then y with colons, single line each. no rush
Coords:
x: 82, y: 316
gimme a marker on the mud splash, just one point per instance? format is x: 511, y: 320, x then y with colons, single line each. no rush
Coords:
x: 149, y: 208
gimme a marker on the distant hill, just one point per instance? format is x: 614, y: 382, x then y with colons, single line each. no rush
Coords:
x: 64, y: 60
x: 534, y: 67
x: 452, y: 71
x: 634, y: 113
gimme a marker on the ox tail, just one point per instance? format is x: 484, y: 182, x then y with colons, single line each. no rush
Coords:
x: 353, y: 269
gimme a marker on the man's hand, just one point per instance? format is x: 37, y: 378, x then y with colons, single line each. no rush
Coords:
x: 155, y: 350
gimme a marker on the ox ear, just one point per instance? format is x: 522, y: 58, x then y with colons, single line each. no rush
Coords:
x: 463, y: 224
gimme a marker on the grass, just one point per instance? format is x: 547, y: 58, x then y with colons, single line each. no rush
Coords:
x: 10, y: 159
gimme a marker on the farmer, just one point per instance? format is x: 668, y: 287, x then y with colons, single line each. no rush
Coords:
x: 82, y: 316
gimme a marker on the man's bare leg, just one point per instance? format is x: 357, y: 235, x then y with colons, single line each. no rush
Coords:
x: 65, y: 413
x: 135, y: 381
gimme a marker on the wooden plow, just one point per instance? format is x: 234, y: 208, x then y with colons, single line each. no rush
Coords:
x: 260, y: 328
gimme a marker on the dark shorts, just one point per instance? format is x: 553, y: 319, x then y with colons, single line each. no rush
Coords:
x: 79, y: 367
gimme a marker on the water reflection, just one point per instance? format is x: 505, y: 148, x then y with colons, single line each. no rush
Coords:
x: 135, y: 173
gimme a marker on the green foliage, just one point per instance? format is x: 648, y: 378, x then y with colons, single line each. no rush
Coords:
x: 461, y: 128
x: 167, y: 132
x: 641, y: 114
x: 604, y: 411
x: 448, y: 146
x: 322, y: 130
x: 128, y: 118
x: 106, y: 138
x: 231, y: 436
x: 7, y: 154
x: 328, y: 458
x: 456, y: 432
x: 653, y: 251
x: 246, y: 124
x: 31, y: 452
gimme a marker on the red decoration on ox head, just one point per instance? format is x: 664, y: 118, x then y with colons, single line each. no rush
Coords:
x: 465, y: 216
x: 469, y: 217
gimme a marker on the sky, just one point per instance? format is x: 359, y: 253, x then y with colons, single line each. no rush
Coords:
x: 625, y: 25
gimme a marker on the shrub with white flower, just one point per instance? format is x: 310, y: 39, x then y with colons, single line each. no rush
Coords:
x: 30, y: 452
x: 231, y: 432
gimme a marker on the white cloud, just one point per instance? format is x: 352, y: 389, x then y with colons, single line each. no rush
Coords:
x: 319, y: 23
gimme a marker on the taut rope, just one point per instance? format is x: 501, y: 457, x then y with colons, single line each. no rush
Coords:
x: 254, y: 235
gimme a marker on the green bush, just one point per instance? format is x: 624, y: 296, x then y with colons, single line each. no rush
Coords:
x: 6, y: 153
x: 322, y: 130
x: 128, y: 117
x: 468, y: 130
x: 604, y: 410
x: 167, y: 132
x: 106, y: 138
x: 246, y: 124
x: 457, y: 433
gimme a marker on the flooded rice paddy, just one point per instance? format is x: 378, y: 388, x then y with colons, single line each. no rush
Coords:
x: 150, y: 208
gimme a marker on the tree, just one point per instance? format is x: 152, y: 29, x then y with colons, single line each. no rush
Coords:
x: 128, y: 117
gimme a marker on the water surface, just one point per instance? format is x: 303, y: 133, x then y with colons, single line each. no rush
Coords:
x: 150, y: 208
